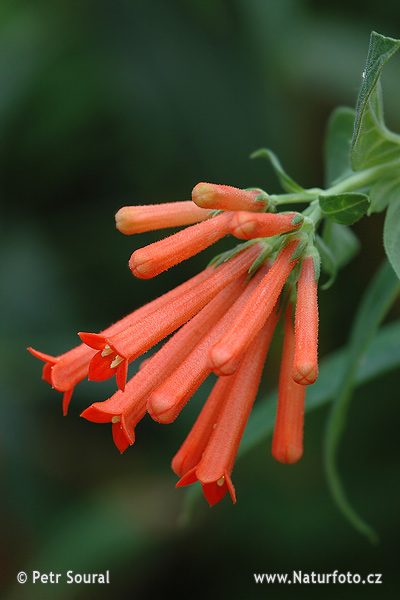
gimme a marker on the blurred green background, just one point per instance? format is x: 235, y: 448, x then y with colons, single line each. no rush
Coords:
x: 129, y: 102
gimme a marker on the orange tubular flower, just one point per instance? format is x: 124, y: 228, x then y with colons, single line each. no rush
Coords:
x: 216, y: 463
x: 191, y: 451
x: 305, y: 363
x: 64, y: 372
x: 247, y: 225
x: 71, y: 367
x: 287, y: 443
x: 221, y: 320
x: 168, y: 400
x: 126, y: 409
x: 226, y: 354
x: 116, y: 351
x: 155, y: 258
x: 226, y: 197
x: 137, y: 219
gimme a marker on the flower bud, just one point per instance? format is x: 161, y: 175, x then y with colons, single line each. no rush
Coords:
x: 226, y: 197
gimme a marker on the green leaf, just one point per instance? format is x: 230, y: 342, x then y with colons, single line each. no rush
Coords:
x: 391, y: 235
x: 372, y: 142
x: 377, y: 300
x: 384, y: 192
x: 337, y: 144
x: 346, y: 208
x: 341, y: 241
x: 288, y: 184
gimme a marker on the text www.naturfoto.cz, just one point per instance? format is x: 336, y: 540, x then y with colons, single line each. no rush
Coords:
x: 322, y: 578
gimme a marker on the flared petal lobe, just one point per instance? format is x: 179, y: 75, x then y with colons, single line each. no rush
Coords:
x: 65, y: 371
x: 49, y: 362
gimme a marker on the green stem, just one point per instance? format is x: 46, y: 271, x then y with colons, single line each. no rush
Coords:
x: 314, y: 214
x: 296, y: 197
x: 335, y: 430
x: 363, y: 178
x: 379, y: 297
x: 354, y: 182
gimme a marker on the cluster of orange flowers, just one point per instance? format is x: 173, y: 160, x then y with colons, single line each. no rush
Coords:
x: 223, y: 321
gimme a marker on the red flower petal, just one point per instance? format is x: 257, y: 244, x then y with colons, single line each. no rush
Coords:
x: 43, y: 356
x: 100, y: 367
x: 66, y: 400
x: 216, y: 490
x: 97, y: 415
x: 94, y: 340
x: 122, y: 372
x: 119, y: 437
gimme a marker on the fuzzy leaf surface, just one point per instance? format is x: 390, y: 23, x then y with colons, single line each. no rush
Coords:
x: 345, y: 208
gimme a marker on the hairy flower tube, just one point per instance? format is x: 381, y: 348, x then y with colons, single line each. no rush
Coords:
x: 224, y: 356
x: 226, y: 197
x: 287, y: 443
x: 160, y: 256
x: 222, y: 321
x: 138, y: 219
x: 305, y: 360
x: 116, y: 351
x: 64, y: 372
x: 247, y: 225
x: 216, y: 463
x: 126, y: 408
x: 166, y: 402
